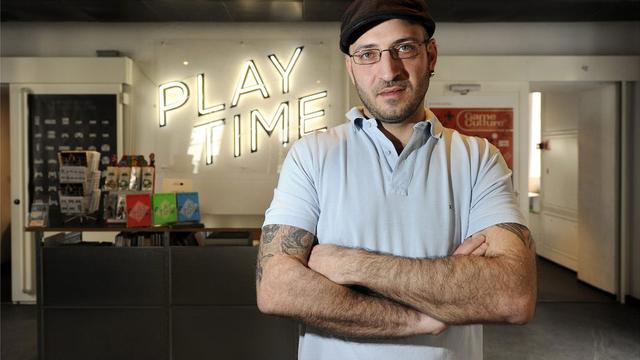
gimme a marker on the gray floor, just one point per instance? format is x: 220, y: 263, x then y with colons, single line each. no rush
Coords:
x: 573, y: 321
x: 19, y: 340
x: 566, y: 330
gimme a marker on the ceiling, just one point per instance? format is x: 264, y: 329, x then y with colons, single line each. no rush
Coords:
x: 309, y: 10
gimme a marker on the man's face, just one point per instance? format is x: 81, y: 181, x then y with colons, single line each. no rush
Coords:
x: 393, y: 90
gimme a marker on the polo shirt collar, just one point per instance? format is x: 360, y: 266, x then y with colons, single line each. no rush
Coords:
x: 358, y: 119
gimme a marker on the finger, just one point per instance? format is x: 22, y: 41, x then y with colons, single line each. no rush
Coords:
x: 481, y: 250
x: 469, y: 245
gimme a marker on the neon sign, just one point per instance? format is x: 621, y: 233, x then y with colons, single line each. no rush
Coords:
x: 178, y: 102
x: 202, y: 110
x: 269, y: 126
x: 249, y: 68
x: 249, y: 81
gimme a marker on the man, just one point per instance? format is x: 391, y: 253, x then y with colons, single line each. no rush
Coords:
x: 417, y: 227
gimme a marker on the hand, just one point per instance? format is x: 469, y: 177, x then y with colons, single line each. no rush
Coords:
x: 430, y: 326
x: 476, y: 245
x: 330, y: 261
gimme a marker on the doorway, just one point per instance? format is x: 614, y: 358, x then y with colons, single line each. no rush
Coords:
x: 576, y: 220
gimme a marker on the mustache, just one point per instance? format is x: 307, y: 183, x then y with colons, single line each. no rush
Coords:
x: 393, y: 83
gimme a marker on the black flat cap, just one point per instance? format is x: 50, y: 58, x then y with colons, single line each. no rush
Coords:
x: 362, y: 15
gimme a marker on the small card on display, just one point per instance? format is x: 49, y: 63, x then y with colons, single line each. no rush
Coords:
x: 39, y: 214
x: 121, y: 208
x: 124, y: 176
x: 188, y: 206
x: 135, y: 179
x: 164, y: 208
x: 111, y: 179
x: 110, y: 206
x: 148, y: 176
x: 138, y: 210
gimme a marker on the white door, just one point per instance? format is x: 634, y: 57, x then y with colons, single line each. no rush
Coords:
x: 23, y: 286
x: 558, y: 240
x: 579, y: 179
x: 598, y: 187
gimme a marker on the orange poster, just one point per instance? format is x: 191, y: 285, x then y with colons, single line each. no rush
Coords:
x: 493, y: 124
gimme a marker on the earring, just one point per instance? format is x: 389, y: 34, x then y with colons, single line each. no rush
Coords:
x: 432, y: 73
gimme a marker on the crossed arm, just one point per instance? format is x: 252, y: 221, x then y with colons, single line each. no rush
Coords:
x: 497, y: 287
x: 310, y: 286
x: 287, y: 287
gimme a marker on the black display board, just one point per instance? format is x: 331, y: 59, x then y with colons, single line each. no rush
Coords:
x: 67, y: 122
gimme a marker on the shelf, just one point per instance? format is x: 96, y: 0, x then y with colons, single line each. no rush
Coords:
x: 211, y: 223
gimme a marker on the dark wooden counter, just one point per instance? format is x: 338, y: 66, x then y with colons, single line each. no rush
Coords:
x: 164, y: 302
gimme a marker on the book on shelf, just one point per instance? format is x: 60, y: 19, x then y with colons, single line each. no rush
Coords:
x: 63, y: 238
x: 226, y: 238
x: 139, y: 239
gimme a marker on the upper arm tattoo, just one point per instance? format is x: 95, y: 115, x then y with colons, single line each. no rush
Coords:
x: 283, y: 240
x: 296, y: 242
x: 521, y: 231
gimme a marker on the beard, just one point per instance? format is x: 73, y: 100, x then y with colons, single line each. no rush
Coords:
x: 399, y: 110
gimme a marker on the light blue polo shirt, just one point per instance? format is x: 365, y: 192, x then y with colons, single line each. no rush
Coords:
x: 349, y: 187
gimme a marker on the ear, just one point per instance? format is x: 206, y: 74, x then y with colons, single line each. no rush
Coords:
x: 432, y: 53
x: 349, y: 64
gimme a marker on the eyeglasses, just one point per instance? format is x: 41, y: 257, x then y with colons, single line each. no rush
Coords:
x: 405, y: 50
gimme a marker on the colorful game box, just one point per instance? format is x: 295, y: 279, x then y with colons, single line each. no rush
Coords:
x: 164, y: 208
x: 138, y: 210
x: 188, y: 206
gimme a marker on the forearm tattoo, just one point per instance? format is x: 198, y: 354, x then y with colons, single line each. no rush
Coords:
x: 268, y: 234
x: 521, y: 231
x: 283, y: 239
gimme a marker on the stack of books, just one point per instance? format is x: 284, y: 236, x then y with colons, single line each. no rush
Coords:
x: 134, y: 239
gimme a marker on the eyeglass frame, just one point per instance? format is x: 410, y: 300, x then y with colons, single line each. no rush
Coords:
x: 392, y: 51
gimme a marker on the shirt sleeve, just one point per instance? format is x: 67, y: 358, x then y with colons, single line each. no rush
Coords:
x: 492, y: 198
x: 295, y: 200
